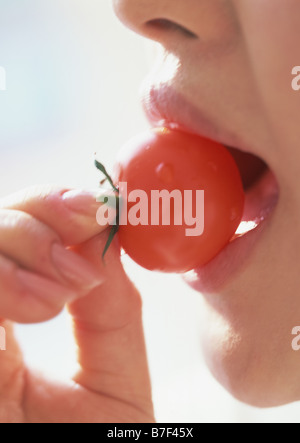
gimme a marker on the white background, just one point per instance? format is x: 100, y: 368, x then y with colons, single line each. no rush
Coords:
x: 73, y: 76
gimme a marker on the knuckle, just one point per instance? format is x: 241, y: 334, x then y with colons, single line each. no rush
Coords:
x: 26, y: 238
x: 30, y: 195
x: 68, y: 223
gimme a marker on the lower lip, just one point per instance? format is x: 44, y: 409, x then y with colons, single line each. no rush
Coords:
x: 237, y: 254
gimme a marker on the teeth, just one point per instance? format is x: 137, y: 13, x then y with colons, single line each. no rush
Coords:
x: 244, y: 227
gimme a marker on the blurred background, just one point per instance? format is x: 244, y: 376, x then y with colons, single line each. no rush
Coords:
x: 72, y: 88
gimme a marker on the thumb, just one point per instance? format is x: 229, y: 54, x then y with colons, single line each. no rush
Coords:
x: 109, y: 332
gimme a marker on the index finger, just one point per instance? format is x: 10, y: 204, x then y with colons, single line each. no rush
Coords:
x: 70, y: 213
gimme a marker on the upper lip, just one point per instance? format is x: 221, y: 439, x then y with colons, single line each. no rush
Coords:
x: 164, y: 106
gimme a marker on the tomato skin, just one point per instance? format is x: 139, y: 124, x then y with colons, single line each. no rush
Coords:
x: 164, y: 159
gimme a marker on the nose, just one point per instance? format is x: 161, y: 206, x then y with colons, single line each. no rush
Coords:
x: 155, y: 18
x: 214, y: 23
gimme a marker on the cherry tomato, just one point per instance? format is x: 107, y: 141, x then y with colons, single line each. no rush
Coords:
x: 209, y: 199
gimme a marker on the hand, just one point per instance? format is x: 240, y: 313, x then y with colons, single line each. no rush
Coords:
x: 38, y: 276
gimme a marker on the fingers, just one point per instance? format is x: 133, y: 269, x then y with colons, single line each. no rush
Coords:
x: 35, y: 246
x: 71, y: 214
x: 109, y: 333
x: 11, y: 376
x: 26, y: 297
x: 38, y: 274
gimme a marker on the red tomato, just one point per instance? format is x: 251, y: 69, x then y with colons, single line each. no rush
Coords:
x: 172, y: 160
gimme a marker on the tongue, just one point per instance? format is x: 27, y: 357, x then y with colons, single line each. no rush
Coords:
x: 250, y: 166
x: 260, y: 201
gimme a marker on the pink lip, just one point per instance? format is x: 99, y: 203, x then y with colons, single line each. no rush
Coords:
x: 217, y: 273
x: 164, y: 107
x: 260, y: 204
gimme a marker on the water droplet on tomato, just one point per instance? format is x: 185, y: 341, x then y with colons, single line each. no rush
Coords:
x: 165, y: 173
x: 233, y: 214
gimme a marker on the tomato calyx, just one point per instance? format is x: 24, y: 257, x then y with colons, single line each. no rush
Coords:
x: 102, y: 169
x: 115, y: 227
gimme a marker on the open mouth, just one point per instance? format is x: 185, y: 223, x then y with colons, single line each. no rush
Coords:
x: 261, y: 198
x: 164, y: 106
x: 261, y: 190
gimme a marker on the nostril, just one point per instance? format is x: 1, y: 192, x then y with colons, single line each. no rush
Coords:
x: 162, y: 24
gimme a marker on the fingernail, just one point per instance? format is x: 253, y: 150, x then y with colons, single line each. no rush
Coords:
x: 74, y: 268
x: 44, y: 288
x: 83, y: 202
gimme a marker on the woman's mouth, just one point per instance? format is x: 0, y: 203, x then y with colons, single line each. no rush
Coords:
x: 165, y: 108
x: 261, y: 198
x: 261, y: 190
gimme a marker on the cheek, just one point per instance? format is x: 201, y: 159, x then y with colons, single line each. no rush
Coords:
x: 272, y: 23
x: 272, y: 34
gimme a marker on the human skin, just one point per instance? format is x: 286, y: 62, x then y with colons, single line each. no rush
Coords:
x: 38, y: 277
x: 237, y: 72
x: 241, y: 79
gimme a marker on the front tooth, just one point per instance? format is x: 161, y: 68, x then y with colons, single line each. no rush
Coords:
x: 245, y: 226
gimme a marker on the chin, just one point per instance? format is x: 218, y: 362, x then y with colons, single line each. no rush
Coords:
x: 256, y: 366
